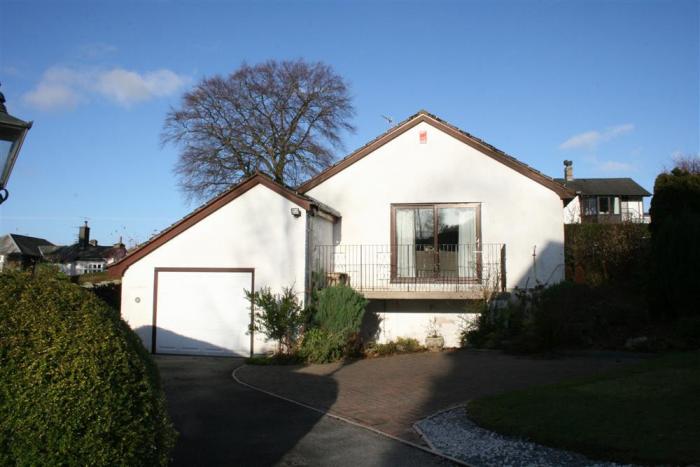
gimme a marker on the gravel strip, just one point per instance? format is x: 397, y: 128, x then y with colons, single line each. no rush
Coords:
x: 451, y: 432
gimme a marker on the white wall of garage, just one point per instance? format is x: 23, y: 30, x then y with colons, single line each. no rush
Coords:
x: 255, y: 230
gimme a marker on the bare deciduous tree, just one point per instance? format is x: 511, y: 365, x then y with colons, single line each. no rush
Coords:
x: 689, y: 163
x: 279, y: 118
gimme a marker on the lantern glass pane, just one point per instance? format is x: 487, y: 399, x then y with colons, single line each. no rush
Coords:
x: 5, y: 148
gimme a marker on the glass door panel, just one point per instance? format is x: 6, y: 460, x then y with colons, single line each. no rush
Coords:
x: 457, y: 242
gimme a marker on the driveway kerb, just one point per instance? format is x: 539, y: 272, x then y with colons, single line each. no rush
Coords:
x: 326, y: 413
x: 417, y: 429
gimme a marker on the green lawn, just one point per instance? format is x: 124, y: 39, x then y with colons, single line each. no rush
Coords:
x: 646, y: 413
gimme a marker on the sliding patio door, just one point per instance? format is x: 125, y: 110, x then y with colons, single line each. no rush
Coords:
x: 436, y: 241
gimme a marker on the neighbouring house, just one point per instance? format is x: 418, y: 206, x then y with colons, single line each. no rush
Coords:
x: 603, y: 200
x: 85, y: 256
x: 419, y: 220
x: 20, y: 251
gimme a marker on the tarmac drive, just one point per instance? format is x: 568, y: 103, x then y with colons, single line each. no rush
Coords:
x: 223, y: 423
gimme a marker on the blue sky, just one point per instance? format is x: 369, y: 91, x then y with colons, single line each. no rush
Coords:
x: 613, y: 85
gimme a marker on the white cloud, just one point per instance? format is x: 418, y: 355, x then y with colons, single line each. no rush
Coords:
x: 65, y: 88
x: 587, y: 139
x: 128, y: 87
x: 619, y: 130
x: 50, y: 96
x: 591, y: 139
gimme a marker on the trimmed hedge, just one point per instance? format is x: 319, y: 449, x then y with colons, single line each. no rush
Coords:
x: 675, y: 244
x: 76, y: 385
x: 605, y: 254
x: 561, y: 316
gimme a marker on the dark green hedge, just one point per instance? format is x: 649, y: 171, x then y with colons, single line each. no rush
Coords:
x: 600, y: 254
x: 561, y: 316
x: 76, y: 385
x: 675, y: 228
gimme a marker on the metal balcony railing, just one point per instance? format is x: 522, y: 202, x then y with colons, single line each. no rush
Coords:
x: 407, y: 269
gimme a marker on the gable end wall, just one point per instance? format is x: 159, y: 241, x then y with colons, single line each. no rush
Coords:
x: 255, y: 230
x: 515, y: 209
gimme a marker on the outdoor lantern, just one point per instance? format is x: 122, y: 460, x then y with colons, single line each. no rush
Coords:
x: 12, y: 133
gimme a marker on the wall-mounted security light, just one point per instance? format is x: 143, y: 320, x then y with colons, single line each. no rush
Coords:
x: 296, y: 212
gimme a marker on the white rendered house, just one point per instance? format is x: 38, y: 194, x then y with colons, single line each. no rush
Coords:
x: 419, y: 220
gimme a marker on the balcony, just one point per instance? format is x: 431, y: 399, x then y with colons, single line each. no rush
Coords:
x: 625, y: 215
x: 465, y: 271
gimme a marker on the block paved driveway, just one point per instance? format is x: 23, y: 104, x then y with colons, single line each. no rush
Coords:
x: 223, y: 423
x: 391, y: 393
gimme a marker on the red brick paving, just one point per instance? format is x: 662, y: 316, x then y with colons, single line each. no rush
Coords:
x: 392, y: 393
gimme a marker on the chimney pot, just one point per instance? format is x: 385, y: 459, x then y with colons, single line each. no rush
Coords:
x: 84, y: 236
x: 568, y: 171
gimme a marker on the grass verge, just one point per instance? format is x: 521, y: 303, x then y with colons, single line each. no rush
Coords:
x: 646, y: 413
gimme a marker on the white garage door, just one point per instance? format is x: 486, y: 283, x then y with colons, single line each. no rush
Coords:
x: 202, y: 311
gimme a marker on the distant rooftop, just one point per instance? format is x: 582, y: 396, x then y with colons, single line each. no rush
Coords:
x: 605, y: 186
x: 76, y: 252
x: 23, y: 244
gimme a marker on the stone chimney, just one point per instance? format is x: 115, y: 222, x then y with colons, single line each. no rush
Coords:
x: 84, y: 236
x: 568, y: 171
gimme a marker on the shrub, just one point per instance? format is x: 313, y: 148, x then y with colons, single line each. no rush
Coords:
x: 76, y: 385
x: 675, y: 229
x: 278, y: 317
x: 110, y: 292
x: 565, y: 315
x: 92, y: 278
x: 337, y: 320
x: 494, y: 327
x: 399, y: 346
x: 340, y: 310
x: 685, y: 333
x: 322, y: 346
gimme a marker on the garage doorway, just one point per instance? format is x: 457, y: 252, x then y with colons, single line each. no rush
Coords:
x: 202, y: 311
